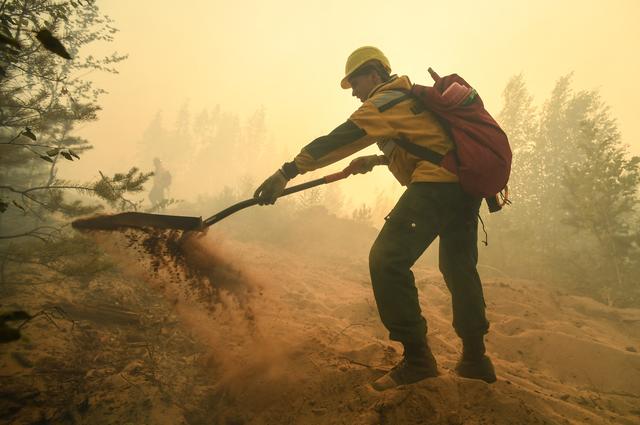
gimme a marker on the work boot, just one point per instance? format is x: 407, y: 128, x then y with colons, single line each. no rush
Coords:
x: 475, y: 364
x: 417, y: 364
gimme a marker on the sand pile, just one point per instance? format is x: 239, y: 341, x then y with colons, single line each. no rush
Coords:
x: 316, y: 342
x: 241, y: 333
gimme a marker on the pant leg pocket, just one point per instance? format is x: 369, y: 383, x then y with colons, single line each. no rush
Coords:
x: 400, y: 222
x: 417, y: 211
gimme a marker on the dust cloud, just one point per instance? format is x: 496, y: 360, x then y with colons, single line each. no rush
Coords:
x: 218, y: 301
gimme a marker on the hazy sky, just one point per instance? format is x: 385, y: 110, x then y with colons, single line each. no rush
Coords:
x: 289, y: 56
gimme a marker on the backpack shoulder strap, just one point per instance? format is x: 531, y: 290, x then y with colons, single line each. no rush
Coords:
x: 389, y: 98
x: 420, y: 151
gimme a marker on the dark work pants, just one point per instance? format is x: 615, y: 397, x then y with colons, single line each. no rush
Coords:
x: 423, y: 212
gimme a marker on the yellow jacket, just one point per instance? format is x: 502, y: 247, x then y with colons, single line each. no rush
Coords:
x: 387, y: 115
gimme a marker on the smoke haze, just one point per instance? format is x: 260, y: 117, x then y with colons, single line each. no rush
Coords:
x: 286, y: 58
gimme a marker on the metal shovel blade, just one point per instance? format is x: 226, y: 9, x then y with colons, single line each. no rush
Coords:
x: 138, y: 220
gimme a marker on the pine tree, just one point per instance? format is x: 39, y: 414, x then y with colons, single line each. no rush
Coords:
x: 575, y: 214
x: 42, y: 99
x: 600, y: 201
x: 519, y: 119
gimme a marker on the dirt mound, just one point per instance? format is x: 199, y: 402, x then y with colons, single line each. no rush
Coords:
x: 284, y: 337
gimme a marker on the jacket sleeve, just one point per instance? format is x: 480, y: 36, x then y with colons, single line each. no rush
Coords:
x: 363, y: 128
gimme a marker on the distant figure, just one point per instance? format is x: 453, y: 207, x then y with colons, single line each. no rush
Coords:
x: 161, y: 183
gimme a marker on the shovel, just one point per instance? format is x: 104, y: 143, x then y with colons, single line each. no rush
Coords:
x: 175, y: 222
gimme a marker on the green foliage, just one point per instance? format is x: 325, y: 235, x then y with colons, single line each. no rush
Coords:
x: 113, y: 189
x: 601, y: 199
x: 574, y: 187
x: 42, y: 99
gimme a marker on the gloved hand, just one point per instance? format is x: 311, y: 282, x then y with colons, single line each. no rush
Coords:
x: 364, y: 164
x: 271, y: 188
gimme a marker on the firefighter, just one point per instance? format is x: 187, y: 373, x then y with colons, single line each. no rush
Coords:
x: 161, y: 183
x: 433, y: 205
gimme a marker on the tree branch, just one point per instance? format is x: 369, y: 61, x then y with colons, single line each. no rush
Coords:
x: 124, y: 200
x: 31, y: 189
x: 34, y: 233
x: 13, y: 139
x: 44, y: 77
x: 32, y: 262
x: 28, y: 144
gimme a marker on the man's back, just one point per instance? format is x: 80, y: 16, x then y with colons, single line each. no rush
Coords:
x: 390, y: 113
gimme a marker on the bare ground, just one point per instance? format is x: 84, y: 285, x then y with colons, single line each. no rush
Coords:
x: 294, y: 338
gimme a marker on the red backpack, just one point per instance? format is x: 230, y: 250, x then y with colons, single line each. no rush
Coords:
x: 482, y: 156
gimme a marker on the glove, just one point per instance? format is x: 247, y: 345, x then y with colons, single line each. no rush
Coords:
x: 364, y: 164
x: 271, y: 189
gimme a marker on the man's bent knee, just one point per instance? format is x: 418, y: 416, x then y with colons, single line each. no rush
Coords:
x: 378, y: 261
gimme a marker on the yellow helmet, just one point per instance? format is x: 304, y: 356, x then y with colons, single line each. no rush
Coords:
x: 358, y: 58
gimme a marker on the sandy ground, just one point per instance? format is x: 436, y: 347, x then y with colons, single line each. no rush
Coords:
x: 294, y: 338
